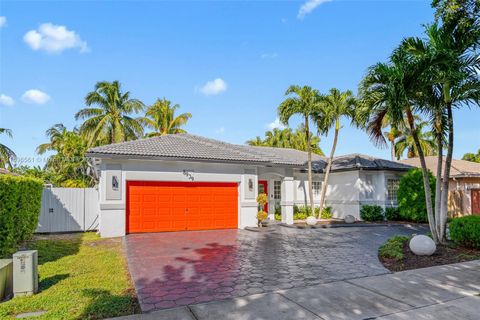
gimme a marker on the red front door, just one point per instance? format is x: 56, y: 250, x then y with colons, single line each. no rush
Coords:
x: 476, y: 202
x: 263, y: 188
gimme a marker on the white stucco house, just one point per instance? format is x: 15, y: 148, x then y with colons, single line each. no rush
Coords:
x: 187, y: 182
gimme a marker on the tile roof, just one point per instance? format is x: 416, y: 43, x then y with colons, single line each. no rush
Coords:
x: 190, y: 147
x: 459, y: 169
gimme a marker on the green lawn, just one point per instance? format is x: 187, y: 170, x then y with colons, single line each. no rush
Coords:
x: 81, y: 277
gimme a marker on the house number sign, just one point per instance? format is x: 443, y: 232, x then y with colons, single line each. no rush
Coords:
x: 188, y: 174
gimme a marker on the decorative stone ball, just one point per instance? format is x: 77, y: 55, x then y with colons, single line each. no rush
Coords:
x: 311, y: 220
x: 349, y: 218
x: 422, y: 245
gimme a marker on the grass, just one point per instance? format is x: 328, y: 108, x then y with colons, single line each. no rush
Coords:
x: 393, y: 248
x: 81, y: 277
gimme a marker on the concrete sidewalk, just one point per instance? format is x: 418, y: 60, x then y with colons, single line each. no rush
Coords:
x: 442, y: 292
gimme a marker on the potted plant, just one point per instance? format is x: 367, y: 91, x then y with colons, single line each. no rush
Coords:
x: 262, y: 200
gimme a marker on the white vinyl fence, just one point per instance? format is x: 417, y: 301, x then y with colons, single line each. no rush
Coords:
x: 68, y: 209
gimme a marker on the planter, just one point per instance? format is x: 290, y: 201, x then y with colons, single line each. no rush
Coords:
x: 6, y: 279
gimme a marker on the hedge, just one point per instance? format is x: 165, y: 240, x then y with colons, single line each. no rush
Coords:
x: 465, y: 231
x: 372, y: 213
x: 411, y: 196
x: 20, y: 202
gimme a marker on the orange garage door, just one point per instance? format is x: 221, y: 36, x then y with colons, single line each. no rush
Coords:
x: 175, y: 206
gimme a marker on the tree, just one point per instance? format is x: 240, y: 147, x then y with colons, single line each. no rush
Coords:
x: 452, y: 77
x: 392, y: 90
x: 161, y: 118
x: 474, y: 157
x: 303, y: 101
x: 285, y: 138
x: 333, y: 107
x: 405, y: 141
x: 68, y: 166
x: 108, y: 116
x: 6, y: 154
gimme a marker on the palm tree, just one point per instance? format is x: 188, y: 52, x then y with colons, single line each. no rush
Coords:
x: 109, y: 120
x: 57, y: 135
x: 392, y: 90
x: 256, y: 142
x: 405, y: 142
x: 6, y: 154
x: 333, y: 107
x: 161, y: 118
x: 453, y: 83
x: 303, y: 101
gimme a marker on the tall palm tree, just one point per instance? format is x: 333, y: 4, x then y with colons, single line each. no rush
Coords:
x: 450, y: 48
x: 405, y: 142
x: 161, y: 118
x: 333, y: 107
x: 303, y: 101
x: 6, y: 154
x: 256, y: 142
x: 392, y: 90
x: 108, y: 116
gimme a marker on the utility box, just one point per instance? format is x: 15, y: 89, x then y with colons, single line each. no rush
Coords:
x: 25, y: 273
x: 6, y: 279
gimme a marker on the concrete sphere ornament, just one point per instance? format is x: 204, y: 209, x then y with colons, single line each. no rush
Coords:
x: 422, y: 245
x: 311, y: 220
x: 349, y: 218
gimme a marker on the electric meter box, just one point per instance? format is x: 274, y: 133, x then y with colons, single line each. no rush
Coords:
x: 25, y: 273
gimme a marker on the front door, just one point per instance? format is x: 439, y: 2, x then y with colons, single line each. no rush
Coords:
x: 476, y: 202
x: 263, y: 188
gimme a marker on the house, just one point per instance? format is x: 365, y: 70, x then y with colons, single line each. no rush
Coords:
x: 464, y: 185
x: 188, y: 182
x: 5, y: 171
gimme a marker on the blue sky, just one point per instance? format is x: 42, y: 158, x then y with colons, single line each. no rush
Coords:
x: 172, y: 49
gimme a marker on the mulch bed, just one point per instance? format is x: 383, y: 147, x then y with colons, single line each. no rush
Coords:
x: 444, y: 255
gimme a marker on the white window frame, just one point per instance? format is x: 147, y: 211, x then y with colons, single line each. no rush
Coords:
x: 392, y: 188
x: 277, y: 190
x: 317, y: 188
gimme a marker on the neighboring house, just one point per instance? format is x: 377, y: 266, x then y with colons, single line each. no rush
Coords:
x: 187, y: 182
x: 464, y: 186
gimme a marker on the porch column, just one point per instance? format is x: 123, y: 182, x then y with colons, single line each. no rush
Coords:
x: 287, y: 200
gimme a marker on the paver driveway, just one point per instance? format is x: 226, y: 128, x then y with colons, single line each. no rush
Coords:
x: 183, y: 268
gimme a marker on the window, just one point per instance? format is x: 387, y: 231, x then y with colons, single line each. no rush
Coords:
x: 368, y: 187
x: 277, y: 190
x: 317, y: 186
x: 392, y: 188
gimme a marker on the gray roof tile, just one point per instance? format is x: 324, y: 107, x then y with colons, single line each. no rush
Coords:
x: 196, y: 148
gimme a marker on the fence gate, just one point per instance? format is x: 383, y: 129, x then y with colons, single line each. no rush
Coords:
x: 68, y: 209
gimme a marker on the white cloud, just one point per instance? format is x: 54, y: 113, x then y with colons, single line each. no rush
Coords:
x: 35, y: 96
x: 54, y: 39
x: 276, y: 125
x: 284, y: 20
x: 3, y: 21
x: 213, y: 87
x: 6, y: 100
x: 220, y: 130
x: 272, y: 55
x: 309, y: 6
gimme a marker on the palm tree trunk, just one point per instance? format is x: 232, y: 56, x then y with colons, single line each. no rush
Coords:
x: 446, y: 176
x: 438, y: 183
x: 426, y: 180
x: 392, y: 149
x: 329, y: 166
x: 309, y: 161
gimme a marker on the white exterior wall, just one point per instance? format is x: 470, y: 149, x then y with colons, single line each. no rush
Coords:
x: 113, y: 217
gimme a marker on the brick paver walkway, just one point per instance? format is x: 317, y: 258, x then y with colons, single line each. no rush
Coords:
x: 184, y: 268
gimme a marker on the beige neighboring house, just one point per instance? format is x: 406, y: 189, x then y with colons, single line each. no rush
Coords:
x: 464, y: 198
x: 5, y: 171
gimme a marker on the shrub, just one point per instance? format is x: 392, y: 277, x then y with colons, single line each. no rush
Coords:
x: 20, y: 202
x: 392, y: 214
x: 411, y: 196
x: 371, y: 213
x: 326, y: 213
x: 278, y: 213
x: 393, y: 248
x: 302, y: 212
x: 465, y: 231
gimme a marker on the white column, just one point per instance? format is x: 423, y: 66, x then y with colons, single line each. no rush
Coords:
x: 287, y: 200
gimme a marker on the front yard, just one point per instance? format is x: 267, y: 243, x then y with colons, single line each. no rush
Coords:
x: 81, y: 277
